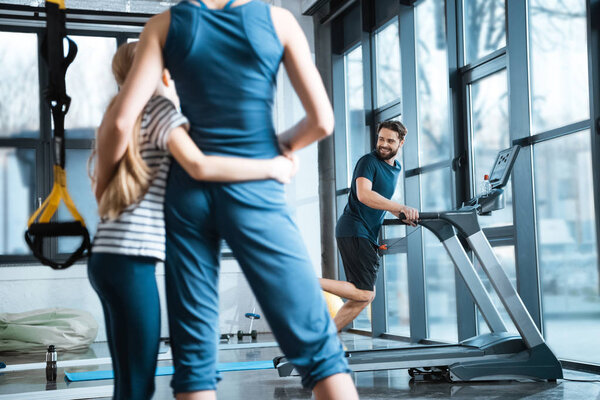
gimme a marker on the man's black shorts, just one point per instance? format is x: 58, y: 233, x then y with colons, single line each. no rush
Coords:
x: 361, y: 261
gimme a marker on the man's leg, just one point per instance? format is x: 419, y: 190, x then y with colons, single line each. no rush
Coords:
x: 348, y: 313
x: 345, y: 290
x: 361, y: 263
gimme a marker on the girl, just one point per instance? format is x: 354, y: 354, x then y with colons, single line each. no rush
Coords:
x: 224, y: 57
x: 131, y: 238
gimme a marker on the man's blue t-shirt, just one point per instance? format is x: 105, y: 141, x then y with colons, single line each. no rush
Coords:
x: 359, y: 220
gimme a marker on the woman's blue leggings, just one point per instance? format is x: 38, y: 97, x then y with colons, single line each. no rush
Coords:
x: 127, y: 289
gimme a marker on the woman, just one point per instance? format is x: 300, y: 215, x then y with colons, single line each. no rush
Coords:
x: 223, y: 57
x: 130, y: 239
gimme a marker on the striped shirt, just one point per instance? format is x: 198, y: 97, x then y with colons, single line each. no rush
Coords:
x: 140, y: 229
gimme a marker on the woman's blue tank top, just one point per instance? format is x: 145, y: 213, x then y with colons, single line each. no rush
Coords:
x: 224, y: 63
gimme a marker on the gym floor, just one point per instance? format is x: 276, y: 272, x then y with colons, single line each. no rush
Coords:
x: 266, y: 384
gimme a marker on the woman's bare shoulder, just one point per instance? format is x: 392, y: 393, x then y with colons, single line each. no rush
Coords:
x: 284, y: 22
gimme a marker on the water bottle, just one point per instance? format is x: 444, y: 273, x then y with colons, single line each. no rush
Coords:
x: 485, y: 187
x: 51, y: 368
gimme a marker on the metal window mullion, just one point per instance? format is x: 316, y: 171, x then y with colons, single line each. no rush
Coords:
x: 326, y: 160
x: 340, y: 136
x: 378, y: 320
x: 484, y: 60
x: 416, y: 269
x: 526, y: 252
x: 554, y: 133
x: 485, y: 70
x: 428, y: 168
x: 81, y: 144
x: 465, y: 307
x: 388, y: 113
x: 593, y: 15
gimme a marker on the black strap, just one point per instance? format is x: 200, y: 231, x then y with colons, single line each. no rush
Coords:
x: 37, y: 232
x: 56, y: 93
x: 52, y: 50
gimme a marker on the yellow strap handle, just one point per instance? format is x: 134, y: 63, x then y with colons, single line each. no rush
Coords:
x: 50, y: 205
x: 61, y: 3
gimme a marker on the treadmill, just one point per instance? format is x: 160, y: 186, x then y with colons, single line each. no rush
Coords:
x: 498, y: 355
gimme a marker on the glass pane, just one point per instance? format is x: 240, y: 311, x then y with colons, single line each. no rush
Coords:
x: 341, y: 202
x: 567, y: 250
x: 363, y: 321
x: 17, y: 188
x: 91, y: 85
x: 489, y: 125
x: 558, y: 63
x: 439, y: 269
x: 129, y: 6
x: 396, y: 278
x: 435, y: 136
x: 19, y: 86
x: 398, y: 197
x: 389, y: 81
x: 358, y: 140
x: 396, y: 292
x: 80, y: 189
x: 485, y: 28
x: 506, y: 255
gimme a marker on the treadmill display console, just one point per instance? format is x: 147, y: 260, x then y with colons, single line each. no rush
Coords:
x: 503, y: 166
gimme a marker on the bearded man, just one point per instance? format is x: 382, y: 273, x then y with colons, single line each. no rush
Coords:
x: 373, y: 184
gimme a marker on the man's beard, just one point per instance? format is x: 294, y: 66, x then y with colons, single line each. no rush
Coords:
x: 386, y: 156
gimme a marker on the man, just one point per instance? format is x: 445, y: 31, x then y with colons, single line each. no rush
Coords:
x: 373, y: 184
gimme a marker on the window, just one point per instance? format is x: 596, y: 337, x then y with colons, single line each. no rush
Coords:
x: 396, y: 274
x: 26, y: 153
x: 17, y: 183
x: 506, y: 256
x: 558, y: 63
x: 19, y: 85
x: 484, y: 28
x: 91, y: 85
x: 80, y: 189
x: 388, y: 73
x: 357, y: 133
x: 489, y: 133
x: 396, y: 294
x: 568, y: 256
x: 436, y: 193
x: 435, y: 137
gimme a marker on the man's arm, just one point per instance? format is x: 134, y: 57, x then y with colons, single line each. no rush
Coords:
x: 370, y: 198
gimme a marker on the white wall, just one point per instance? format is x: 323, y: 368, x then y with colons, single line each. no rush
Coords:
x: 35, y: 287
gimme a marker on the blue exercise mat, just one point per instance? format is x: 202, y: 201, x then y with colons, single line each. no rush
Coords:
x: 160, y: 371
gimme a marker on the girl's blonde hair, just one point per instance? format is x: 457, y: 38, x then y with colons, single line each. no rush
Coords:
x: 132, y: 176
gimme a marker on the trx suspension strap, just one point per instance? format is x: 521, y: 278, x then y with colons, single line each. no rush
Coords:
x: 39, y: 225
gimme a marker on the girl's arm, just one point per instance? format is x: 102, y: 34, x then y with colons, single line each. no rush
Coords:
x: 226, y: 169
x: 305, y: 78
x: 119, y: 120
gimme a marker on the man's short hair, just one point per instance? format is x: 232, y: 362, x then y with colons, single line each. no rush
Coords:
x: 395, y: 126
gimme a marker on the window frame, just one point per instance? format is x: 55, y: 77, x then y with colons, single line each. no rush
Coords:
x: 25, y: 19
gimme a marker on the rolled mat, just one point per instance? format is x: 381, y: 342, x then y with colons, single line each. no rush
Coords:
x: 160, y: 371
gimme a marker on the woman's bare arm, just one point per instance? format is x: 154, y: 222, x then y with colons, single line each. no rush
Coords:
x: 226, y: 169
x: 306, y: 81
x: 119, y: 120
